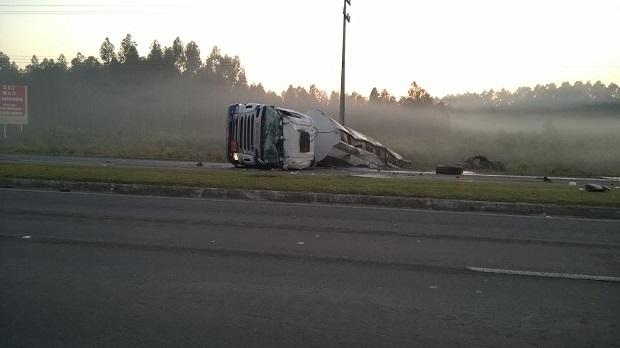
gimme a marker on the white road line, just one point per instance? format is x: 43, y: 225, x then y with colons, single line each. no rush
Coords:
x: 545, y: 274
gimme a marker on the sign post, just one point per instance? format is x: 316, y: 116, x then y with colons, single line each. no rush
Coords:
x: 13, y: 105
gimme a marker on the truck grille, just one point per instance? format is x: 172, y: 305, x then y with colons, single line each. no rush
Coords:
x: 245, y: 130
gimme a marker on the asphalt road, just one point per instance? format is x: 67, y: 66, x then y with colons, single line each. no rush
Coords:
x: 81, y: 269
x: 352, y: 171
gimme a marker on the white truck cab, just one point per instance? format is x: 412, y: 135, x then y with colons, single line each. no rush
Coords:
x: 265, y: 136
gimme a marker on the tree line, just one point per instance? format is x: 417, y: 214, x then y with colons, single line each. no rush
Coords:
x: 549, y: 97
x: 183, y: 62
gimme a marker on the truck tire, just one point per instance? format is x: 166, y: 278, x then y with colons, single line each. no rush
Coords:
x: 450, y: 170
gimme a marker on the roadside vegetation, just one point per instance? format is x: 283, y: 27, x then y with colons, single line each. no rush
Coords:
x: 543, y: 192
x: 172, y: 103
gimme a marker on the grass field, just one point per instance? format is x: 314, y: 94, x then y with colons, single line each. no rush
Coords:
x: 542, y: 192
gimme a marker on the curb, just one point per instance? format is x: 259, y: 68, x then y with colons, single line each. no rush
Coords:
x: 325, y: 198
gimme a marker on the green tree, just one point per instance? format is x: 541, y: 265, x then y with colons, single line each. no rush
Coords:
x: 224, y: 69
x: 242, y: 80
x: 106, y: 52
x: 598, y: 92
x: 318, y: 95
x: 128, y: 52
x: 90, y: 65
x: 213, y: 60
x: 79, y: 64
x: 386, y: 97
x: 156, y: 55
x: 34, y: 65
x: 91, y: 62
x: 61, y: 63
x: 169, y: 59
x: 614, y: 91
x: 374, y: 95
x: 179, y: 54
x: 334, y: 98
x: 356, y: 98
x: 5, y: 62
x: 416, y: 95
x: 77, y: 61
x: 290, y: 95
x: 48, y: 65
x: 192, y: 62
x: 8, y: 69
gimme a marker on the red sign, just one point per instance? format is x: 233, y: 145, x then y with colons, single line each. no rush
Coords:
x: 13, y: 104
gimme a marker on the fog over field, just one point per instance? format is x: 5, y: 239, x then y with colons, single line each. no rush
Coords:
x: 172, y: 104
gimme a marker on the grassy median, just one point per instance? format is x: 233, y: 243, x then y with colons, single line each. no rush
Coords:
x: 543, y: 192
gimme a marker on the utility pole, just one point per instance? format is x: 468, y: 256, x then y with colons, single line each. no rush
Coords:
x: 345, y: 19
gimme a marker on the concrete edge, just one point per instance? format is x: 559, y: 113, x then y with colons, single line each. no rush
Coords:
x: 325, y: 198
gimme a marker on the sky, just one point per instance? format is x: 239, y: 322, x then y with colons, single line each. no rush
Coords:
x: 447, y: 46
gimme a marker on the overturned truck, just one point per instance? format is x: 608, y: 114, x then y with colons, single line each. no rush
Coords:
x: 265, y: 136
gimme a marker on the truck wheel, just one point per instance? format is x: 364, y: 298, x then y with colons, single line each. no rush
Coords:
x: 450, y: 170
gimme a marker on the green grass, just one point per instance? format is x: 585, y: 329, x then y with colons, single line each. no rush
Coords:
x: 285, y: 181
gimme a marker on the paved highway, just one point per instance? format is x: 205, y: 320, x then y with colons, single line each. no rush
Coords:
x: 82, y: 269
x: 354, y: 171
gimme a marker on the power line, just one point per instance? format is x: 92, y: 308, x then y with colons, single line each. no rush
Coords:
x: 89, y: 5
x: 53, y: 12
x: 81, y: 5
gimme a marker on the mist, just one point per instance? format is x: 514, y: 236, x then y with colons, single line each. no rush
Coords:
x: 159, y: 108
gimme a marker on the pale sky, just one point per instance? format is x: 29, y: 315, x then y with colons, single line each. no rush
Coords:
x: 447, y: 46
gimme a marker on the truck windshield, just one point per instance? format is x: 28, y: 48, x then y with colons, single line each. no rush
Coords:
x: 271, y: 136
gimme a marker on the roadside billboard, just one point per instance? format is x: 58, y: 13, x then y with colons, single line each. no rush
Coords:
x: 13, y: 104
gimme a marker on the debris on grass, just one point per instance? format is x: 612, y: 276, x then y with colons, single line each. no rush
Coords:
x: 482, y: 162
x: 596, y: 188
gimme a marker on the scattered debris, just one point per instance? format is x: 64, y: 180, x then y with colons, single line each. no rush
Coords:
x: 546, y: 179
x: 596, y: 188
x: 450, y: 170
x: 199, y: 164
x: 482, y: 162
